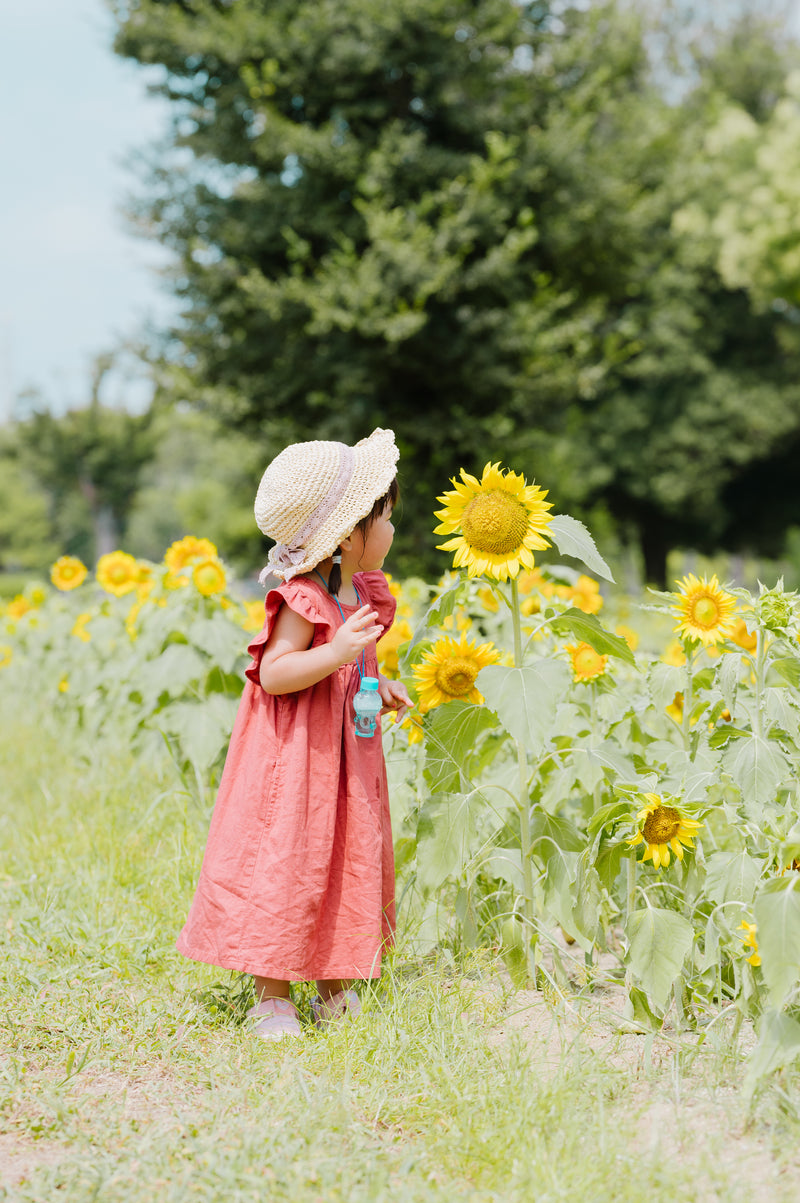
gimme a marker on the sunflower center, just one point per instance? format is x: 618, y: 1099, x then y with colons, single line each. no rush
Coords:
x: 662, y: 825
x: 705, y: 612
x: 495, y: 522
x: 456, y: 676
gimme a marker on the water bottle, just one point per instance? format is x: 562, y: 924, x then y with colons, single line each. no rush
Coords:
x: 367, y: 705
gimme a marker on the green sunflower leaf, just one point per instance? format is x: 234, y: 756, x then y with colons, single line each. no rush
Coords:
x: 659, y: 942
x: 525, y: 699
x: 587, y: 628
x: 573, y: 539
x: 451, y: 735
x: 777, y: 913
x: 778, y: 1046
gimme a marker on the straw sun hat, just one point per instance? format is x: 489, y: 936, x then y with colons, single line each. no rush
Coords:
x: 313, y: 495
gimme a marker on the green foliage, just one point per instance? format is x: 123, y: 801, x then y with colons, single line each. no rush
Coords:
x: 460, y: 225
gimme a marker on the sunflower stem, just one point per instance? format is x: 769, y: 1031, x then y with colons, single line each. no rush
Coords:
x: 523, y: 803
x: 761, y: 660
x: 687, y: 698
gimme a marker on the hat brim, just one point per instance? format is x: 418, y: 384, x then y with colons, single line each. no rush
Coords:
x: 374, y: 469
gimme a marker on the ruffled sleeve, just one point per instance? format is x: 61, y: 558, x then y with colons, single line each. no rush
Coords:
x: 376, y: 587
x: 304, y: 599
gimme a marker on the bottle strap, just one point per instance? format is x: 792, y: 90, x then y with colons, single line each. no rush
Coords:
x: 362, y: 666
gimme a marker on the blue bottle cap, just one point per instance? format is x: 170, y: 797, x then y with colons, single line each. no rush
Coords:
x: 369, y: 683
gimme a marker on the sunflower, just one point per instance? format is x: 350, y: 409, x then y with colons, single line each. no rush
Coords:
x: 79, y: 629
x: 663, y: 827
x: 184, y: 551
x: 6, y: 653
x: 449, y: 669
x: 18, y: 607
x: 704, y: 610
x: 117, y: 573
x: 740, y: 635
x: 497, y: 522
x: 587, y: 664
x: 750, y: 941
x: 67, y: 573
x: 253, y: 615
x: 628, y: 634
x: 389, y: 646
x: 674, y: 654
x: 585, y: 594
x: 209, y: 576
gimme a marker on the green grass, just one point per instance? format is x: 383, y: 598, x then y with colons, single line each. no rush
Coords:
x: 126, y: 1074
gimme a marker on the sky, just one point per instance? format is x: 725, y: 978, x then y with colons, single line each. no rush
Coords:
x: 74, y: 279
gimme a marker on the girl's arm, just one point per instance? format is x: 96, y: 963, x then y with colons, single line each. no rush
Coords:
x: 289, y: 663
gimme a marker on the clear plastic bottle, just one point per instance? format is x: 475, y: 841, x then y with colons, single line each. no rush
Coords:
x: 367, y: 705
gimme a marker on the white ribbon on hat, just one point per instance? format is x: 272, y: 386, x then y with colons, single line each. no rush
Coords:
x: 287, y: 559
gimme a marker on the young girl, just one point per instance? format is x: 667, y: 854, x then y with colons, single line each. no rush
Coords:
x: 297, y: 881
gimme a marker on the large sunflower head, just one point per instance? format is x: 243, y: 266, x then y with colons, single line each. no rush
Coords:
x: 497, y: 522
x: 663, y: 827
x: 209, y: 576
x: 704, y: 610
x: 117, y: 572
x: 449, y: 670
x: 184, y: 551
x: 68, y: 573
x: 587, y: 664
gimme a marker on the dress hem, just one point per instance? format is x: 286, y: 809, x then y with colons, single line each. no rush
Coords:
x: 350, y: 973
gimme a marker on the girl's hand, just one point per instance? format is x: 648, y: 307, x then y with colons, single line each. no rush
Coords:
x: 356, y: 633
x: 394, y: 696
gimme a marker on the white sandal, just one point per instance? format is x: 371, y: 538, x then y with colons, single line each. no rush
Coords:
x: 342, y: 1007
x: 274, y: 1018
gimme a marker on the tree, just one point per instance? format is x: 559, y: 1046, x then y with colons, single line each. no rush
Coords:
x: 456, y: 220
x: 88, y: 464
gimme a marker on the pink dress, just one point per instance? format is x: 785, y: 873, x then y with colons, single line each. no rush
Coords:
x: 297, y: 879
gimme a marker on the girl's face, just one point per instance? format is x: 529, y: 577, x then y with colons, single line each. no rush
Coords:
x: 368, y: 551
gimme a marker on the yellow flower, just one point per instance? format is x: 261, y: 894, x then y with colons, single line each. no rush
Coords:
x: 63, y: 685
x: 388, y: 648
x: 587, y: 664
x: 663, y: 827
x: 535, y: 579
x: 79, y: 629
x: 209, y: 576
x: 740, y: 635
x: 145, y: 581
x: 497, y: 522
x: 704, y: 610
x: 585, y: 595
x: 674, y: 654
x: 173, y: 580
x: 130, y: 621
x: 117, y: 573
x: 67, y: 573
x: 448, y: 671
x: 413, y: 727
x: 488, y: 599
x: 18, y: 607
x: 254, y: 615
x: 458, y: 621
x: 628, y: 634
x: 37, y: 595
x: 675, y: 709
x: 750, y: 941
x: 184, y: 551
x: 6, y: 653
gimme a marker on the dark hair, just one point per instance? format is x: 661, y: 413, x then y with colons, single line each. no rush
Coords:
x: 389, y: 498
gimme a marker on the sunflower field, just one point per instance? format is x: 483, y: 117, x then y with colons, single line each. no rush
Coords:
x: 563, y: 792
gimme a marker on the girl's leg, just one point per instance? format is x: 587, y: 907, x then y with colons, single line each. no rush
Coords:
x: 270, y: 987
x: 328, y: 988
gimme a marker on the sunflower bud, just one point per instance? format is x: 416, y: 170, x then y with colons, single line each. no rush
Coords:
x: 776, y: 610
